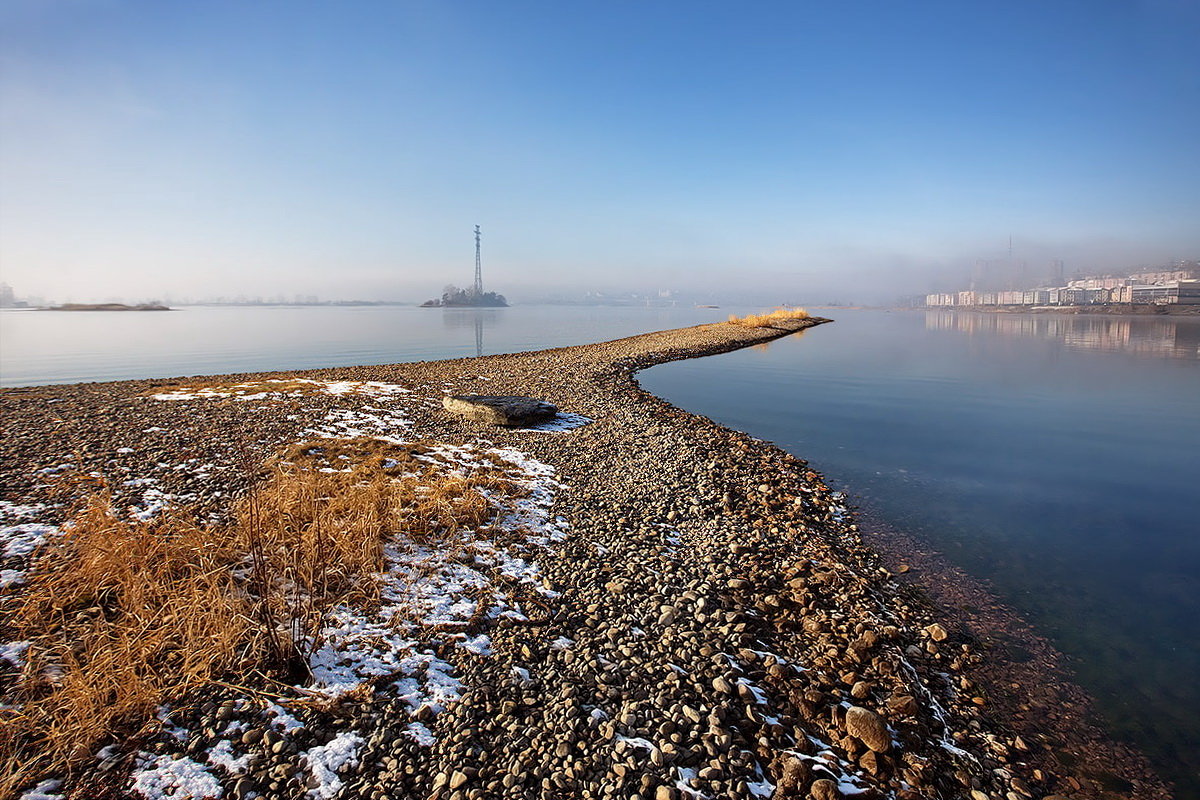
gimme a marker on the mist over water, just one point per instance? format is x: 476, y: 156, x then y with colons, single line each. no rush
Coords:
x: 1054, y: 456
x: 65, y: 347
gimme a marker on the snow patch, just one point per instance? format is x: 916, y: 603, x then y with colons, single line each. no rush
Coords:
x: 46, y: 790
x: 18, y: 541
x: 328, y: 762
x: 280, y: 718
x: 166, y: 778
x: 222, y: 755
x: 277, y: 387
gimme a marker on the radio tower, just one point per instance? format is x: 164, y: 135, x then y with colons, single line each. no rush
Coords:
x: 478, y: 268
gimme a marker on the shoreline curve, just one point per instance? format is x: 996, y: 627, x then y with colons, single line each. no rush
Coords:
x: 730, y: 633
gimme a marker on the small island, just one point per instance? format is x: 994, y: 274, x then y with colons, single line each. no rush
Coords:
x: 475, y: 297
x: 107, y: 307
x: 453, y: 297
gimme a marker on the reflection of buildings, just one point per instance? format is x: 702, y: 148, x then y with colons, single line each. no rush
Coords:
x: 476, y: 318
x: 1151, y: 336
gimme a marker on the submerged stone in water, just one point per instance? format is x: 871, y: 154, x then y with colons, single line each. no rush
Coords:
x: 500, y: 410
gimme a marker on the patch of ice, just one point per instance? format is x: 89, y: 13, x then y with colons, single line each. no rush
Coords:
x: 327, y: 763
x: 166, y: 778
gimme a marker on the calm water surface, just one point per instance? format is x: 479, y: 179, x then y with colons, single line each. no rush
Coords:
x: 1056, y: 456
x: 41, y: 347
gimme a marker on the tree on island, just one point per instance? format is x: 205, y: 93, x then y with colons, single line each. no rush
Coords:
x: 454, y: 296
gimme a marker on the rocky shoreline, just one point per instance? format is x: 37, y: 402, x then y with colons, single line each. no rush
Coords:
x: 709, y: 624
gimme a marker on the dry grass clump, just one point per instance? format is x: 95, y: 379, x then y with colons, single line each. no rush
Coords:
x: 768, y: 319
x: 119, y: 615
x: 124, y: 615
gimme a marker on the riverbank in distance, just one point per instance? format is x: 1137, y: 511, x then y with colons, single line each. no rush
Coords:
x: 107, y: 307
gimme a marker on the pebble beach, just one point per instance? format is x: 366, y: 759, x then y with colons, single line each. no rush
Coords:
x: 670, y: 610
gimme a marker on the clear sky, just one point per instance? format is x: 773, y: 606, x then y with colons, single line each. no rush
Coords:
x: 807, y: 149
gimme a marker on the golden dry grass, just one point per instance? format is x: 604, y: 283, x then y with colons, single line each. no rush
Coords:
x: 768, y: 319
x: 124, y: 615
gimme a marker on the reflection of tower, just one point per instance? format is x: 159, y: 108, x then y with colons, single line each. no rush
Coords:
x: 478, y: 268
x: 478, y: 334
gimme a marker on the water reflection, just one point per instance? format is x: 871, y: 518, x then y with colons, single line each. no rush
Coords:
x: 763, y: 347
x: 475, y: 318
x: 1143, y: 336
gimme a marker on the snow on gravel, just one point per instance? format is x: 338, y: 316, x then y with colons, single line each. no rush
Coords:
x: 326, y: 761
x: 433, y: 593
x: 19, y: 541
x: 282, y: 388
x: 46, y: 790
x: 447, y: 586
x: 166, y: 778
x: 23, y: 538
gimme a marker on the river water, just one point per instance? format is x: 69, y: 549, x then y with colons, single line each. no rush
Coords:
x: 1058, y: 457
x: 41, y: 347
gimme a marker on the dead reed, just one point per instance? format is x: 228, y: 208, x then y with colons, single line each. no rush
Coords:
x: 124, y: 615
x: 768, y: 319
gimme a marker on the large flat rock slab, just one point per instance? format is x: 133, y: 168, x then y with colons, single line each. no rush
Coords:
x: 507, y: 410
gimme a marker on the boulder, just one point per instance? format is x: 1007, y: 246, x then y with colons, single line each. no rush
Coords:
x: 500, y: 410
x: 869, y: 728
x: 824, y: 789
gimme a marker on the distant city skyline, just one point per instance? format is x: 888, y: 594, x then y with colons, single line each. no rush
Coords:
x: 796, y: 150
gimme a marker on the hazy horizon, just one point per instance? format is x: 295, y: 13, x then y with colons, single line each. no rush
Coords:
x: 767, y: 153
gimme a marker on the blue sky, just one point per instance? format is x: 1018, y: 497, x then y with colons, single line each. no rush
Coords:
x: 809, y: 150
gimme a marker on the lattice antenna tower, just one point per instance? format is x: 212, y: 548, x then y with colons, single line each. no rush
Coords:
x: 478, y: 268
